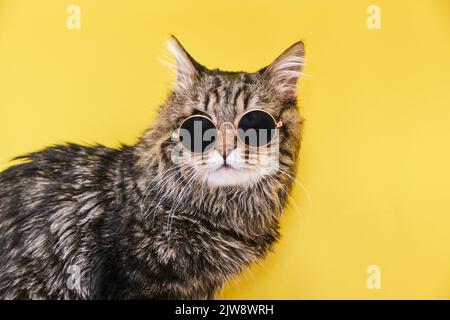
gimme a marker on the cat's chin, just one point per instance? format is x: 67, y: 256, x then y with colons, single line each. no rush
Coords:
x: 229, y: 176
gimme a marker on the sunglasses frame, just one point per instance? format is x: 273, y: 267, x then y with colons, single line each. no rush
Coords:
x: 278, y: 124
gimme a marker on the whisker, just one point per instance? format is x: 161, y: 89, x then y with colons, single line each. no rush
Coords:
x: 300, y: 184
x: 176, y: 203
x: 160, y: 183
x: 166, y: 193
x: 146, y: 191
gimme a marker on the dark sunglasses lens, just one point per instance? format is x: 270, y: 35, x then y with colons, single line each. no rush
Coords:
x: 256, y: 128
x: 198, y: 134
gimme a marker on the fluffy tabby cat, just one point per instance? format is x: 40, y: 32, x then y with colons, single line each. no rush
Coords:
x: 92, y: 222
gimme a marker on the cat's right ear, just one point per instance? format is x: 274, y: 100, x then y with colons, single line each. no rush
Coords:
x: 187, y: 69
x: 284, y: 72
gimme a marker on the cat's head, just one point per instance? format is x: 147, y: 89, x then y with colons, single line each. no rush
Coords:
x: 229, y: 104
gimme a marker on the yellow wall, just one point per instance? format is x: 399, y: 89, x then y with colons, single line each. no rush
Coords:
x: 375, y: 159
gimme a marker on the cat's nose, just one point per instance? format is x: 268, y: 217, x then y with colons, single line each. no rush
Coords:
x: 226, y: 140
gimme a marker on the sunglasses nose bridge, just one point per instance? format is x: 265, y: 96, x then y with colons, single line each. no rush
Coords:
x: 226, y: 124
x: 226, y: 139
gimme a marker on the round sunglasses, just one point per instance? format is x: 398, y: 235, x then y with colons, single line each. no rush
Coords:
x: 255, y: 128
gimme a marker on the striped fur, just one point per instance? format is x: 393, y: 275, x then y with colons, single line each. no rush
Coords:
x: 91, y: 222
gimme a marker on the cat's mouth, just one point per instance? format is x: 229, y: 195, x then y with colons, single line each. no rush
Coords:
x: 229, y: 175
x: 227, y: 168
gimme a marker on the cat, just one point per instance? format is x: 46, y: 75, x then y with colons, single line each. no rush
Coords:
x: 137, y: 222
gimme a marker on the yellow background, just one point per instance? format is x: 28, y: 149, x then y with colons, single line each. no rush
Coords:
x: 375, y: 158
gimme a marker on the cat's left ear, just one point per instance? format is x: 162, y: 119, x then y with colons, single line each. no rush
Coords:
x: 187, y: 69
x: 284, y: 72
